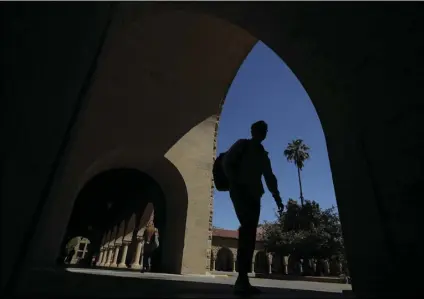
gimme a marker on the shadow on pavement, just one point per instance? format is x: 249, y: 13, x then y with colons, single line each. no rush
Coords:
x: 59, y: 282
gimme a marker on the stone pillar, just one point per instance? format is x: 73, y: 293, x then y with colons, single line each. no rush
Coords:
x: 103, y: 261
x: 234, y: 265
x: 109, y: 257
x: 105, y: 255
x: 99, y: 260
x: 74, y: 256
x: 115, y: 257
x: 213, y: 264
x: 300, y: 265
x: 136, y: 261
x: 122, y: 263
x: 253, y: 266
x: 286, y: 265
x: 269, y: 263
x: 326, y: 267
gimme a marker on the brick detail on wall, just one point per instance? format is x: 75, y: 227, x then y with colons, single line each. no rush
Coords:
x: 208, y: 252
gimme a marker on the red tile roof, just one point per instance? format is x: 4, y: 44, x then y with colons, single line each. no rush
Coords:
x: 233, y: 234
x: 225, y: 233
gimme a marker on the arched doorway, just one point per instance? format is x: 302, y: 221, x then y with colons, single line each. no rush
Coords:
x: 112, y: 203
x: 75, y: 252
x: 224, y: 260
x: 261, y: 263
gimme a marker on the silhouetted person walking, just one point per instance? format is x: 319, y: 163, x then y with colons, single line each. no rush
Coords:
x: 151, y: 244
x: 244, y: 164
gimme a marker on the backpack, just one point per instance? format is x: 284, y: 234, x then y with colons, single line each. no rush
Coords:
x: 220, y: 178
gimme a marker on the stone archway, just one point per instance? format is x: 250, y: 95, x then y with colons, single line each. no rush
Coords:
x: 108, y: 200
x: 355, y: 91
x: 261, y: 264
x: 224, y: 260
x: 75, y: 251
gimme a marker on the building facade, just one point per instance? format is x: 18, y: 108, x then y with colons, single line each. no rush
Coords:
x: 119, y: 249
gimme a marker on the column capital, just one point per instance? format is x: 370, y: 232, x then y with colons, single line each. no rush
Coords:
x: 270, y: 257
x: 214, y: 251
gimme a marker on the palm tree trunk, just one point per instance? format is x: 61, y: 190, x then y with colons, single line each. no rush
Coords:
x: 300, y: 186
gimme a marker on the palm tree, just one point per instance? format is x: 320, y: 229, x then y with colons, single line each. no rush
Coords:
x: 297, y: 152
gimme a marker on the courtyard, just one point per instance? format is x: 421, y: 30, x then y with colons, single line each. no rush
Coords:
x: 115, y: 283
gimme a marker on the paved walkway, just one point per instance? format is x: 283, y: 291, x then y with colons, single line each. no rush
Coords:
x: 330, y: 279
x: 115, y: 283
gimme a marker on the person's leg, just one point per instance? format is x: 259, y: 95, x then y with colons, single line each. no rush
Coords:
x: 247, y: 211
x: 155, y: 261
x: 149, y: 262
x: 144, y: 260
x: 237, y: 198
x: 250, y: 231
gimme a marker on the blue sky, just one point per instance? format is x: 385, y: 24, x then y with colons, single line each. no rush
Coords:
x: 266, y: 89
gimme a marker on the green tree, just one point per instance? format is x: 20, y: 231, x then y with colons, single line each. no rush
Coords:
x: 285, y: 234
x: 306, y: 232
x: 298, y: 152
x: 331, y: 230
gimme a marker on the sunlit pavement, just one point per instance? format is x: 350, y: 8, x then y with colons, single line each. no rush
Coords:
x: 115, y: 283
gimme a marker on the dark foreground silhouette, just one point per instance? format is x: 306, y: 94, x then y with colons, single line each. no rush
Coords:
x: 244, y: 164
x: 59, y: 282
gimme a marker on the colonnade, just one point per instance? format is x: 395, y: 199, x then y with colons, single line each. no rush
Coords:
x: 120, y: 241
x: 233, y: 253
x: 281, y: 264
x: 109, y: 254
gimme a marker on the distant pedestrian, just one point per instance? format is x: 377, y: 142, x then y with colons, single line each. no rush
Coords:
x: 151, y: 243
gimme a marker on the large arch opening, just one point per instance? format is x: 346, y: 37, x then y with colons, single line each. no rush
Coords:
x: 346, y: 81
x: 261, y: 264
x: 112, y: 211
x: 266, y: 89
x: 181, y: 129
x: 224, y: 260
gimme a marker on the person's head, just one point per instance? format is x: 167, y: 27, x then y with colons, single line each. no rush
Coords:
x: 259, y: 130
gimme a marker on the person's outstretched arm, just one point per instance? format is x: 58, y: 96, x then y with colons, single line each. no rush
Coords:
x: 271, y: 182
x: 231, y: 159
